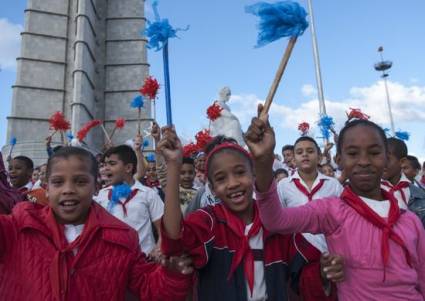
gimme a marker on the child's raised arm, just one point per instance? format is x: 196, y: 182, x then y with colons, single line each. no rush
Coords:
x: 261, y: 142
x: 171, y: 149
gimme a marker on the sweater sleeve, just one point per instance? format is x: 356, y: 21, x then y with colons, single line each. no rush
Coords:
x: 153, y: 282
x: 420, y: 251
x: 314, y: 217
x: 197, y: 238
x: 8, y: 235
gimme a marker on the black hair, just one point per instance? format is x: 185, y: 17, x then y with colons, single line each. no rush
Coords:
x: 125, y: 153
x: 56, y: 148
x: 280, y: 171
x: 27, y: 161
x: 327, y: 164
x: 188, y: 160
x: 66, y: 152
x: 360, y: 122
x: 309, y: 139
x: 397, y: 147
x: 414, y: 161
x: 287, y: 147
x: 220, y: 140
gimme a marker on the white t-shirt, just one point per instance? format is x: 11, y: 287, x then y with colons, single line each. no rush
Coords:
x: 143, y: 209
x: 71, y: 233
x: 291, y: 196
x: 259, y: 292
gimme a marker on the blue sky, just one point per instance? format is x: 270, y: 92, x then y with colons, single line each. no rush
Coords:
x: 218, y: 50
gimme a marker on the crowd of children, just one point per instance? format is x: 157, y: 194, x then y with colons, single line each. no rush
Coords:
x: 224, y: 223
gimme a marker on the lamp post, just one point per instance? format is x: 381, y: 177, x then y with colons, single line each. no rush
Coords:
x: 384, y: 66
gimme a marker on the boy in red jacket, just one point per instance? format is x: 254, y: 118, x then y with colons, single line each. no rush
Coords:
x: 74, y: 249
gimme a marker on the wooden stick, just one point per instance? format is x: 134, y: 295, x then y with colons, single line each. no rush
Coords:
x: 139, y: 121
x: 113, y: 132
x: 105, y: 132
x: 278, y: 75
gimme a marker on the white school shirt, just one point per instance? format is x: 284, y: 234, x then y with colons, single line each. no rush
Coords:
x: 278, y: 165
x: 291, y: 196
x: 143, y: 209
x: 259, y: 292
x: 71, y: 233
x: 386, y: 185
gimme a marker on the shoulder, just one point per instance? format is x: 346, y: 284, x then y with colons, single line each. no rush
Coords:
x: 114, y: 230
x: 205, y: 216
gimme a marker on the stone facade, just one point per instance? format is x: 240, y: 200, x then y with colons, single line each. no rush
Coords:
x: 85, y: 58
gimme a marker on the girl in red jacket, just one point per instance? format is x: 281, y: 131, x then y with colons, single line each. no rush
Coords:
x: 73, y: 249
x: 236, y: 258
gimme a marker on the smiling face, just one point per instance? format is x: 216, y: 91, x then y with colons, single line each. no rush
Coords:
x: 232, y: 180
x: 363, y: 157
x: 187, y: 175
x: 19, y: 173
x: 70, y: 188
x: 288, y: 156
x: 306, y: 156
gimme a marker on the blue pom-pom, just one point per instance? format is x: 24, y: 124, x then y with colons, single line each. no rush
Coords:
x: 13, y: 141
x: 402, y: 135
x: 278, y: 20
x: 69, y: 136
x: 160, y: 31
x: 150, y: 158
x: 137, y: 102
x: 121, y: 191
x: 325, y: 124
x: 145, y: 143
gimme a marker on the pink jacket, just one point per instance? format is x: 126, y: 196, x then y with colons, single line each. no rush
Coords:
x: 359, y: 242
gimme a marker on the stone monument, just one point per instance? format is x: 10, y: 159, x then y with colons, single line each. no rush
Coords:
x: 85, y: 58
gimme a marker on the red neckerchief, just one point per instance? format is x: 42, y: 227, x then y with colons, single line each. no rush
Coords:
x: 303, y: 189
x: 244, y: 252
x: 128, y: 199
x: 399, y: 187
x: 355, y: 202
x: 64, y: 251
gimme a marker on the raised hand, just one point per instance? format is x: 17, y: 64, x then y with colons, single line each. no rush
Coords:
x: 170, y: 146
x: 138, y: 140
x: 260, y: 137
x: 156, y: 132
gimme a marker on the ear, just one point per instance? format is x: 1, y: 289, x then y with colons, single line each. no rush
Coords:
x: 338, y: 161
x: 129, y: 168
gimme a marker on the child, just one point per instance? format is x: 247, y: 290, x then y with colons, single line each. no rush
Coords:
x: 187, y: 177
x: 327, y: 170
x: 236, y: 258
x: 9, y: 196
x: 74, y: 249
x: 305, y: 185
x: 411, y: 168
x: 395, y: 181
x: 151, y: 178
x: 142, y: 207
x: 20, y: 173
x: 382, y: 245
x: 200, y: 178
x: 280, y: 174
x: 288, y: 158
x: 38, y: 191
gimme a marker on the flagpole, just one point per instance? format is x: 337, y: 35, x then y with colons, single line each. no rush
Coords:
x: 322, y: 106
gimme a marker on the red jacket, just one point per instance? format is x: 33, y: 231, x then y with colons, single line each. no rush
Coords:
x: 36, y: 265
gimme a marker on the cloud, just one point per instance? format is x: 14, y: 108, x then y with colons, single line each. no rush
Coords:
x: 408, y: 104
x: 308, y: 90
x: 10, y: 44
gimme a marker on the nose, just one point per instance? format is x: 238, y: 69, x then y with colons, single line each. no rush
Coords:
x: 68, y: 188
x: 364, y: 159
x: 233, y: 182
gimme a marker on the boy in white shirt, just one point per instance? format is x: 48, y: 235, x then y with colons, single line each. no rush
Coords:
x: 142, y: 207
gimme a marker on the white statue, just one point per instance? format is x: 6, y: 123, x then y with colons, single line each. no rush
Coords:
x: 227, y: 124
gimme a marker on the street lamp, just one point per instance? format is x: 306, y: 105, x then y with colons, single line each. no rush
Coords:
x: 384, y: 66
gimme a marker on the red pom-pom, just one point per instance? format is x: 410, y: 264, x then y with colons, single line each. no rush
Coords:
x: 304, y: 127
x: 150, y: 88
x: 214, y: 111
x: 120, y: 123
x: 202, y: 138
x: 58, y: 122
x: 189, y: 150
x: 357, y: 114
x: 82, y: 133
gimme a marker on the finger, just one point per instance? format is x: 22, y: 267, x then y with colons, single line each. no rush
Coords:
x: 260, y: 108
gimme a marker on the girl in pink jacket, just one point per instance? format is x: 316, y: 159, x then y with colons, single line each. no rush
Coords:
x: 383, y: 245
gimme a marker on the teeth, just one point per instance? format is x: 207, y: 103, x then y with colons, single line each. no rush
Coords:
x: 237, y: 194
x: 69, y: 203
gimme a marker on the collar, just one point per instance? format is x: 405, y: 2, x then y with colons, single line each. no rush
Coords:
x: 319, y: 177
